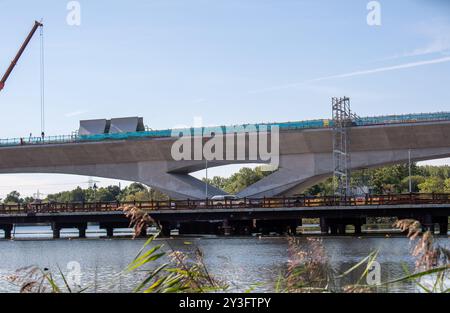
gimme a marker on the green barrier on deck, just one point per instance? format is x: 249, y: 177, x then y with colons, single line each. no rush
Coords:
x: 312, y: 124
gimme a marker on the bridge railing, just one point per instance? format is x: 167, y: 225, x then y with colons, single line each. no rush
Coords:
x: 311, y: 124
x: 245, y: 203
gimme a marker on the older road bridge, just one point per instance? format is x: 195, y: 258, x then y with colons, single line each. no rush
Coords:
x: 242, y: 217
x: 124, y: 149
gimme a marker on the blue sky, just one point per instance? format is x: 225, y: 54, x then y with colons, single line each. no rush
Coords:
x: 226, y: 61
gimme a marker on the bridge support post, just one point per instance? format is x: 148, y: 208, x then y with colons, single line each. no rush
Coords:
x: 358, y: 228
x: 226, y: 228
x: 184, y: 229
x: 56, y: 231
x: 110, y: 226
x: 443, y: 224
x: 243, y: 227
x: 143, y: 232
x: 427, y: 223
x: 334, y: 229
x: 165, y: 228
x: 293, y: 225
x: 324, y: 228
x: 82, y: 230
x: 189, y: 228
x: 341, y: 229
x: 7, y: 228
x: 443, y: 228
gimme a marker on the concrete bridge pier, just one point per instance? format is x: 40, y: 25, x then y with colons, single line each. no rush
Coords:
x: 185, y: 228
x: 7, y: 228
x: 324, y: 227
x: 443, y: 228
x: 109, y: 227
x: 202, y: 228
x: 337, y: 226
x: 333, y: 229
x: 56, y: 228
x: 427, y: 223
x: 109, y: 232
x: 281, y: 227
x: 143, y: 232
x: 443, y: 224
x: 165, y: 228
x: 293, y: 225
x: 226, y: 228
x: 357, y: 224
x: 358, y: 229
x: 82, y: 230
x: 242, y: 227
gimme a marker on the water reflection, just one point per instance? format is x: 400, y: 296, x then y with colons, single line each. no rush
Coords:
x: 242, y: 262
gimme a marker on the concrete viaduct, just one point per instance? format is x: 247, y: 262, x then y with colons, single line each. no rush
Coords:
x: 114, y: 149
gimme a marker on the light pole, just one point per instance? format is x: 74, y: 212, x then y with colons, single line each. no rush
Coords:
x: 409, y: 170
x: 206, y: 180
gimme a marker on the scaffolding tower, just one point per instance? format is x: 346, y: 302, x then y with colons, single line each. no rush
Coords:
x: 343, y: 120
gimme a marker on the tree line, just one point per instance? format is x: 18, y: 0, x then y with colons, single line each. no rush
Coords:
x: 387, y: 179
x: 133, y: 192
x: 393, y: 179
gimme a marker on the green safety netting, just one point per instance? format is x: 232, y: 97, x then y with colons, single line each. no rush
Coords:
x: 323, y: 123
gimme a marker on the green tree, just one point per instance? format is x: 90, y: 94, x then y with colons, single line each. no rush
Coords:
x: 416, y: 180
x: 130, y: 190
x: 388, y: 179
x: 240, y: 180
x: 76, y: 195
x: 324, y: 188
x: 432, y: 184
x: 104, y: 195
x: 217, y: 181
x: 139, y: 196
x: 447, y: 185
x: 28, y: 200
x: 13, y: 197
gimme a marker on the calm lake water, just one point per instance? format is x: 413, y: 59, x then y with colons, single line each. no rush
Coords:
x: 242, y: 262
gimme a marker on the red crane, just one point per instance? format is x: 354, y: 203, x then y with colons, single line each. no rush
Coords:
x: 19, y: 54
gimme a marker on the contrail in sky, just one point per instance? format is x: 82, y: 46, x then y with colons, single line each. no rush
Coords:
x: 360, y: 73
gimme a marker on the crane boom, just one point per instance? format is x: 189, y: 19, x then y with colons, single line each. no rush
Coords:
x: 19, y: 54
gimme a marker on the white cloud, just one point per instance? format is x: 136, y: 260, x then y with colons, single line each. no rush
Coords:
x: 75, y: 113
x: 437, y: 34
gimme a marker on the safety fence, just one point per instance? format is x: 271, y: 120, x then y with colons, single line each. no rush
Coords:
x: 311, y: 124
x: 245, y: 203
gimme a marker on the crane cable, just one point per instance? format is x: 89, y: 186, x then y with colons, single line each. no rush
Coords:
x: 42, y: 78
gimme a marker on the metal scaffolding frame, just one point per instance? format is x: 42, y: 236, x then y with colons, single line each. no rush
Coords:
x: 343, y: 120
